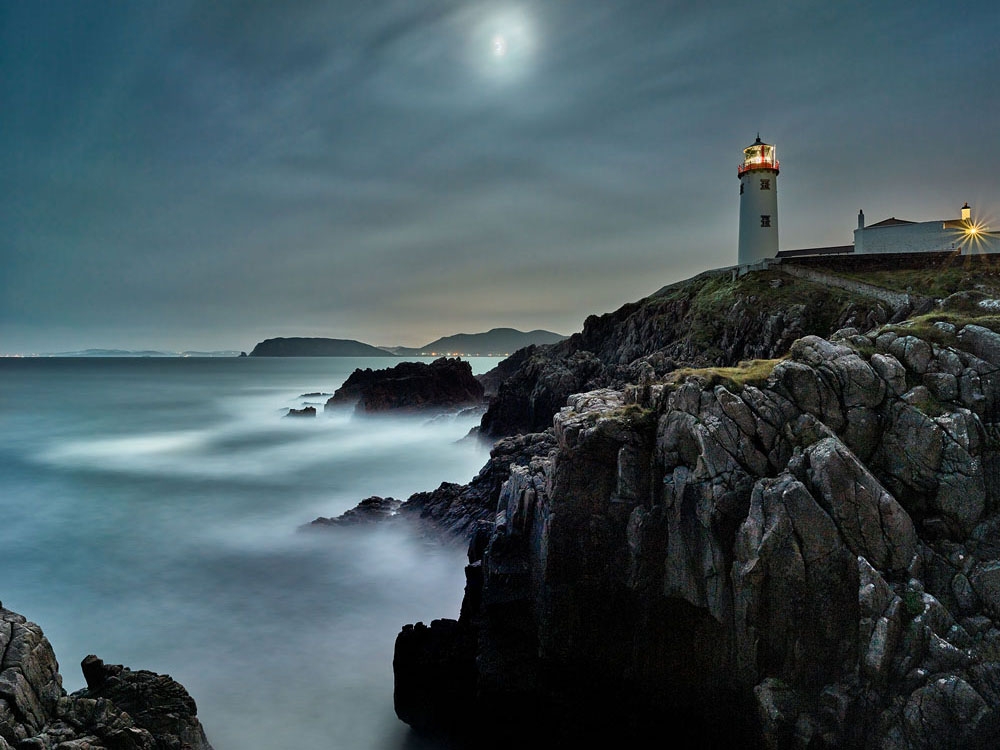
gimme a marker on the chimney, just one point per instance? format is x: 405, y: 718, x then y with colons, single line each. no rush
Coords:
x: 966, y: 212
x: 861, y: 219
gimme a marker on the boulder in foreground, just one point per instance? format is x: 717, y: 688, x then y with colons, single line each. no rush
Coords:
x: 119, y: 708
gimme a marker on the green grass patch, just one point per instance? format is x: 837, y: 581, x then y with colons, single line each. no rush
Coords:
x: 638, y: 417
x: 751, y: 372
x: 933, y: 282
x: 714, y: 303
x: 922, y: 326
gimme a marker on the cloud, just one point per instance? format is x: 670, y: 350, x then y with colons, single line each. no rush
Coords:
x: 186, y: 174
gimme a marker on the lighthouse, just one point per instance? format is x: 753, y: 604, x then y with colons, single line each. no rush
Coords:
x: 758, y: 203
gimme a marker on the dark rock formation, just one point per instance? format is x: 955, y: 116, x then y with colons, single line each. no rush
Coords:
x: 435, y: 683
x: 316, y: 347
x: 707, y: 321
x: 306, y: 411
x: 118, y: 710
x: 453, y: 509
x: 458, y: 508
x: 492, y: 380
x: 411, y: 386
x: 370, y: 510
x: 811, y: 561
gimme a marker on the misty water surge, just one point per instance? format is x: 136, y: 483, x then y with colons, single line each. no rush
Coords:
x: 149, y: 513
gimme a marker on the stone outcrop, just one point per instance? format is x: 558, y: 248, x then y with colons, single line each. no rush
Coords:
x: 453, y: 509
x: 712, y: 320
x: 118, y: 710
x: 410, y: 386
x: 370, y: 510
x: 809, y: 562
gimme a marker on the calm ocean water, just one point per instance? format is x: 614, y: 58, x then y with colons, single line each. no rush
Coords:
x: 149, y: 511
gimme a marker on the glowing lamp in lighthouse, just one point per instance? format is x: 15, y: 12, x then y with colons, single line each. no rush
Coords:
x: 758, y: 203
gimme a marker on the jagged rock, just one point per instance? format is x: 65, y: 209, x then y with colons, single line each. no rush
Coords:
x: 880, y: 626
x: 454, y: 509
x: 942, y: 385
x: 307, y: 411
x: 370, y: 510
x: 983, y: 342
x: 872, y: 523
x: 948, y: 712
x: 156, y: 703
x: 119, y: 710
x: 914, y: 353
x: 687, y: 324
x: 779, y: 707
x: 985, y: 580
x: 411, y: 386
x: 795, y: 588
x: 435, y: 675
x: 965, y: 595
x: 821, y: 545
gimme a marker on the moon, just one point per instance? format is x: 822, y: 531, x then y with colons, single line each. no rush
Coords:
x: 502, y: 41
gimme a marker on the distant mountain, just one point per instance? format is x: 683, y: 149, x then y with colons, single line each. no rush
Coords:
x: 316, y: 347
x: 223, y: 353
x: 498, y: 341
x: 139, y: 353
x: 113, y: 353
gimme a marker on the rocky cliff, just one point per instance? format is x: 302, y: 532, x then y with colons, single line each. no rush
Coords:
x: 118, y: 710
x: 710, y: 320
x: 802, y: 552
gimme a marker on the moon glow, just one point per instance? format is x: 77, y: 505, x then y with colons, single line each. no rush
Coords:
x: 501, y: 43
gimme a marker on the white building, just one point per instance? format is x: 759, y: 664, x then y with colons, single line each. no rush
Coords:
x: 758, y: 175
x: 899, y: 236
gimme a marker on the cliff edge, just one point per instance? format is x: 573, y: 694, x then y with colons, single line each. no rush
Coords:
x: 801, y: 551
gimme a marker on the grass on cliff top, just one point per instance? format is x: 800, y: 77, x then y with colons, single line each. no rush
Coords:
x: 713, y: 302
x: 778, y: 290
x: 752, y: 372
x: 922, y: 326
x: 934, y: 282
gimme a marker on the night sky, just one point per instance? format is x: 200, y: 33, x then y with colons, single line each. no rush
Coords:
x: 183, y: 175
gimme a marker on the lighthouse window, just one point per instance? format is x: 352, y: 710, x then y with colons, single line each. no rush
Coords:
x: 741, y: 188
x: 765, y: 220
x: 765, y: 184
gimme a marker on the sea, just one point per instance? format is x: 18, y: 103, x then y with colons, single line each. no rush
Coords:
x: 151, y: 513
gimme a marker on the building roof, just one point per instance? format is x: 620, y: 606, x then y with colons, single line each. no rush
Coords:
x: 890, y: 222
x: 832, y: 250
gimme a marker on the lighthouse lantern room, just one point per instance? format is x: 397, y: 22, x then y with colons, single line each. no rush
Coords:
x: 758, y: 175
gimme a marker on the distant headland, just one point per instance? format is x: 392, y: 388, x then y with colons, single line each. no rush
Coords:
x: 495, y: 342
x: 316, y: 347
x: 130, y: 353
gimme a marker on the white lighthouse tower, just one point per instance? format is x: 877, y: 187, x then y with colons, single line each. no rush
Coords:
x: 758, y: 203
